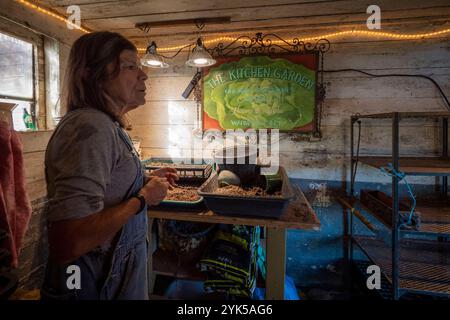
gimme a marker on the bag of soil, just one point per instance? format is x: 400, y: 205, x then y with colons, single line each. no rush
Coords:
x: 230, y: 260
x: 244, y: 288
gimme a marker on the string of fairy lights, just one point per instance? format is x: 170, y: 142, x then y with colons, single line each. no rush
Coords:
x: 223, y: 39
x: 329, y: 36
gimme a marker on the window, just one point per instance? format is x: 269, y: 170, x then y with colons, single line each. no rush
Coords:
x: 17, y: 80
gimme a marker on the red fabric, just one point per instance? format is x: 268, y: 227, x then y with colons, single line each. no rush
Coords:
x: 15, y: 207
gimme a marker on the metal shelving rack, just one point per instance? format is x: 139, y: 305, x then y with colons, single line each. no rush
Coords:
x: 409, y: 265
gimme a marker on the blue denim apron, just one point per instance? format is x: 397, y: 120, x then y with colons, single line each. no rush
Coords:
x: 127, y: 276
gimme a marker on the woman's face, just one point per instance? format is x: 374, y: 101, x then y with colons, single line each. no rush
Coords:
x: 127, y: 90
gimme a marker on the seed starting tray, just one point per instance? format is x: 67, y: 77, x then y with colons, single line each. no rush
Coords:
x: 186, y: 172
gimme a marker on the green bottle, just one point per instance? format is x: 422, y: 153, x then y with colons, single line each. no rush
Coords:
x: 28, y: 120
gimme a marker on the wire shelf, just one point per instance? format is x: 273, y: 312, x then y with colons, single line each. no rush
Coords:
x: 424, y: 265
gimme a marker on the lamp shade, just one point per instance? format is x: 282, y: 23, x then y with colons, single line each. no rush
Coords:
x: 200, y: 57
x: 152, y: 59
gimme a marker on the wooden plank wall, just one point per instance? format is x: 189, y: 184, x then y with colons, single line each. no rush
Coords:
x: 165, y: 123
x: 33, y: 254
x: 34, y: 145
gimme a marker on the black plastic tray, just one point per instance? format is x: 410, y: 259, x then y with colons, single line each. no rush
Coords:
x: 268, y: 207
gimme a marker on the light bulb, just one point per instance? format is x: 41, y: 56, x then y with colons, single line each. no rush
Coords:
x: 200, y: 61
x: 153, y: 62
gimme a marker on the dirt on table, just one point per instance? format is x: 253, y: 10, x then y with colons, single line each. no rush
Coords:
x: 247, y: 192
x: 183, y: 193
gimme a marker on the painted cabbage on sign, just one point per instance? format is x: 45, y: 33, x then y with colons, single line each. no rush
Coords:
x: 260, y: 92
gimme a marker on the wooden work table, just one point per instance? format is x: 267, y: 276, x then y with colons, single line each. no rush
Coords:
x: 298, y: 215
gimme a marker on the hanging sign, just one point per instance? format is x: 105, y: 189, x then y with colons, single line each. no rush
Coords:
x: 261, y: 92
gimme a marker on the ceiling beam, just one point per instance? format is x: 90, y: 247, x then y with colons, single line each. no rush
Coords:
x: 199, y: 22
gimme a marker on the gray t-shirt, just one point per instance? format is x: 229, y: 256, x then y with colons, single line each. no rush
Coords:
x: 88, y: 166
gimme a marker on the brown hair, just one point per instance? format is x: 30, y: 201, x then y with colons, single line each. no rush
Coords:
x: 87, y: 70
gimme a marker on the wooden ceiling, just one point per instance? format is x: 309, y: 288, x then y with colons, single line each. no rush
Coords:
x: 246, y: 15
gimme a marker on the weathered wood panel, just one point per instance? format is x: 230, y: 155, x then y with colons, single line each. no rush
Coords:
x: 165, y: 112
x: 64, y: 52
x: 34, y: 146
x: 34, y: 165
x: 384, y: 65
x: 36, y: 189
x: 41, y: 109
x: 311, y: 166
x: 170, y: 89
x: 375, y: 139
x: 303, y: 24
x: 338, y: 111
x: 335, y: 111
x: 35, y: 140
x: 174, y: 5
x: 124, y: 15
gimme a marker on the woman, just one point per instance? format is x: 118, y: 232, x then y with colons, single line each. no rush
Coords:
x: 97, y: 198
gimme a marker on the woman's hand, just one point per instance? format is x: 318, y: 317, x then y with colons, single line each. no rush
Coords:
x: 155, y: 190
x: 169, y: 173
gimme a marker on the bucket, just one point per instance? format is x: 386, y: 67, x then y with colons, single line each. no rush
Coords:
x: 187, y: 239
